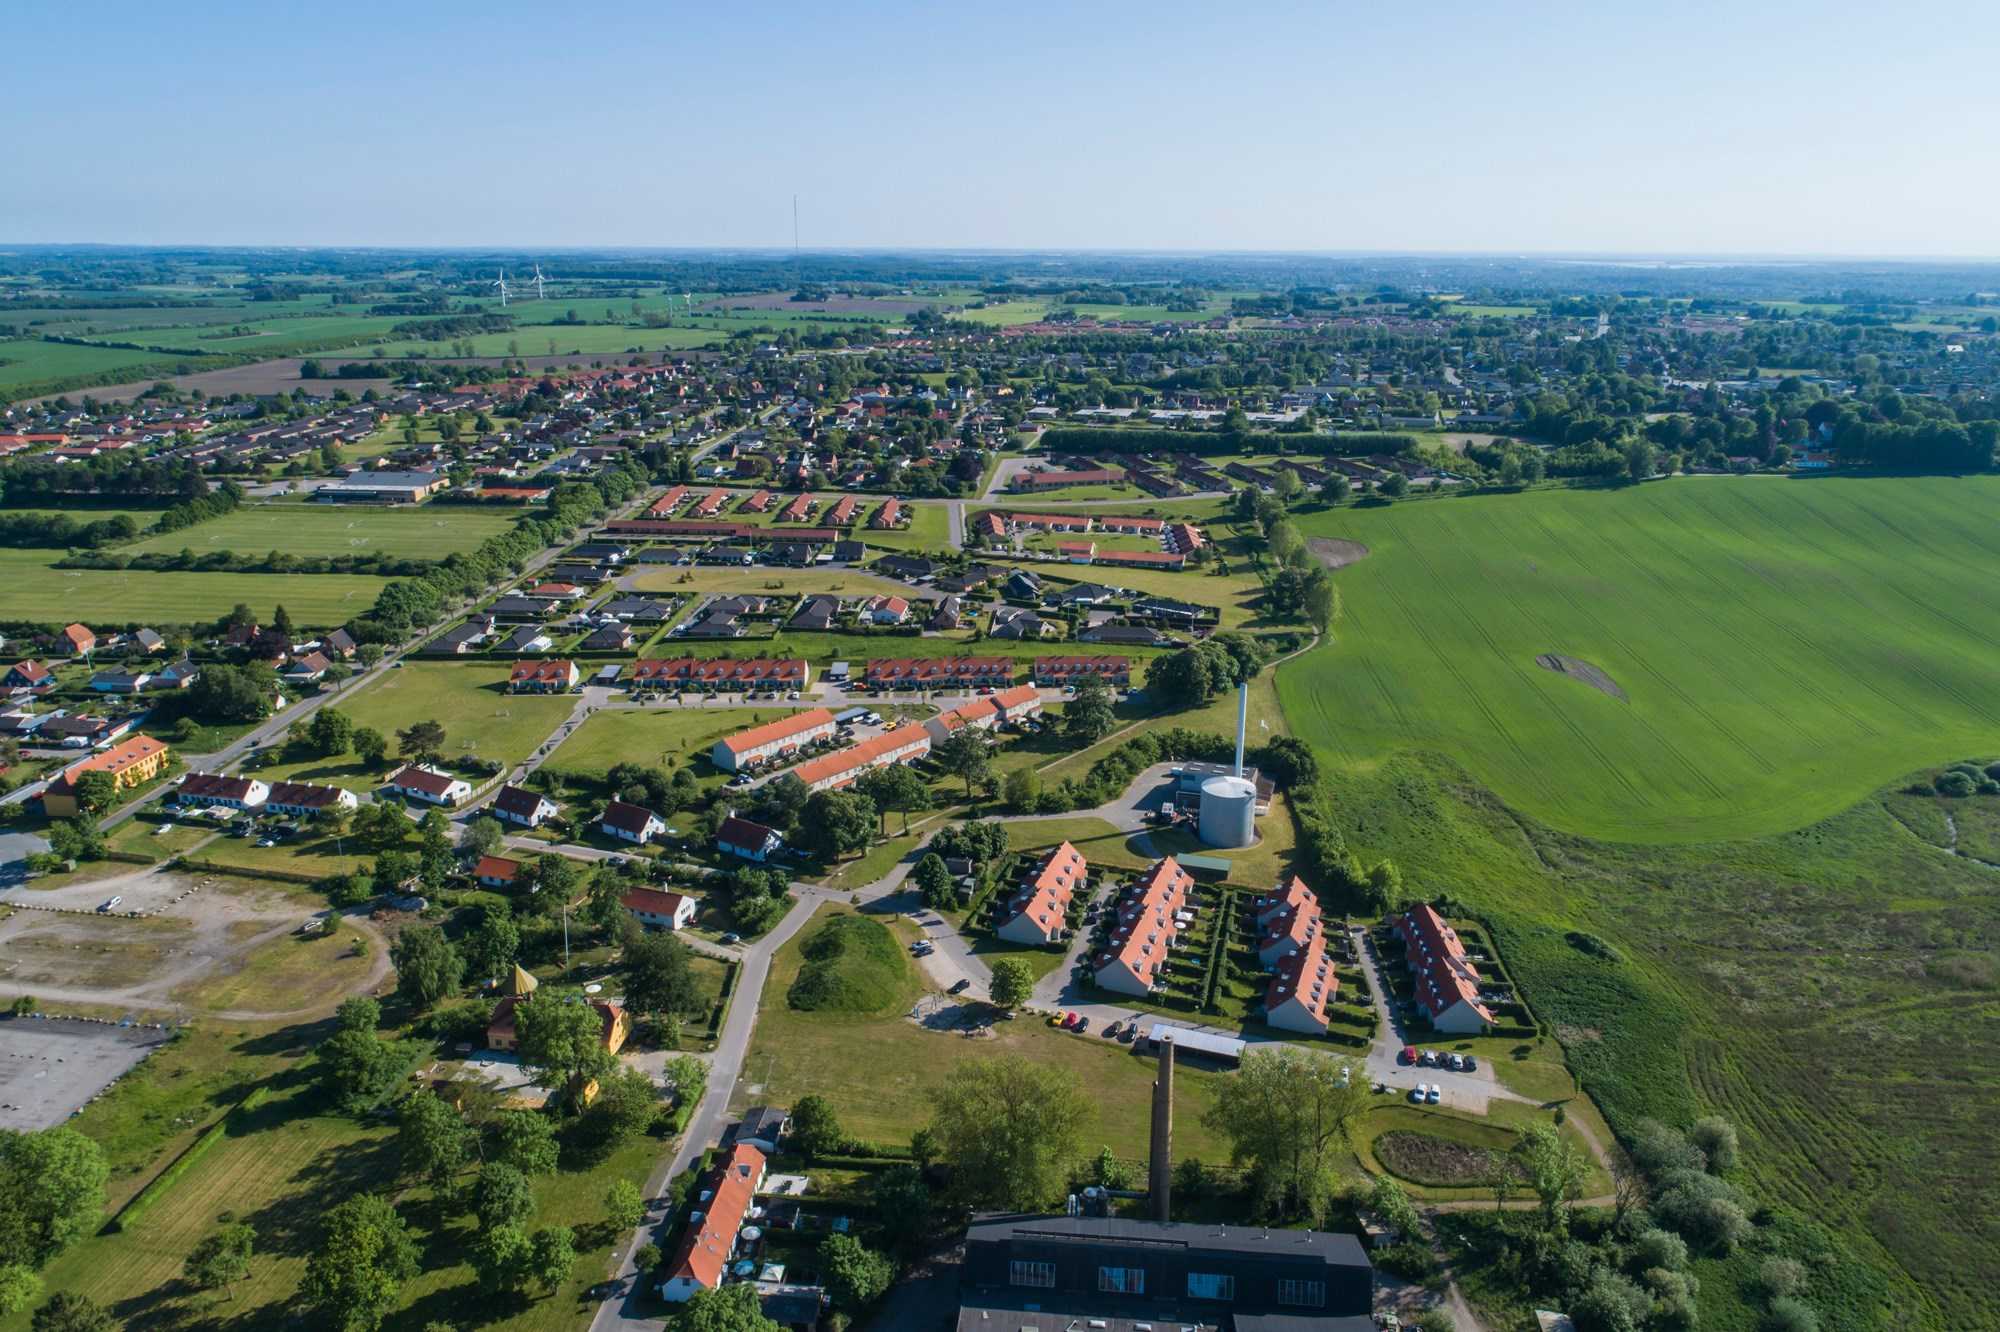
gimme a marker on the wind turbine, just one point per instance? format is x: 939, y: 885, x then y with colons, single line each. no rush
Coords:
x: 538, y: 283
x: 502, y: 285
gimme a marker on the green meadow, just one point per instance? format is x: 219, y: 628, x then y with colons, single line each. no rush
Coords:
x: 104, y: 597
x: 1783, y: 647
x: 308, y: 529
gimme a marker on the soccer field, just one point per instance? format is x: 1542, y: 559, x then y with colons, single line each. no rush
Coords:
x: 305, y: 528
x: 1782, y: 647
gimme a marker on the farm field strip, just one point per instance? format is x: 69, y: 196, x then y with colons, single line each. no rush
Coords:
x: 36, y: 591
x: 1785, y: 647
x: 308, y: 529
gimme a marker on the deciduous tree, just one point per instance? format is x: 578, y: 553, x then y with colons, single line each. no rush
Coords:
x: 1008, y: 1129
x: 221, y: 1260
x: 355, y: 1276
x: 1013, y: 983
x: 1287, y: 1111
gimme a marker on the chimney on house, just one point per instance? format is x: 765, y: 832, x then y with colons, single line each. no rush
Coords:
x: 1162, y: 1168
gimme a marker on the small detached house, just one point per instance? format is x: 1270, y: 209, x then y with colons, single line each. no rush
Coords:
x: 655, y: 910
x: 430, y: 785
x: 631, y: 823
x: 751, y: 841
x: 76, y: 640
x: 496, y: 872
x: 523, y: 808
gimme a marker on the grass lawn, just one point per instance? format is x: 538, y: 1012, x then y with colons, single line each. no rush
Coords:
x: 882, y: 1097
x: 1104, y: 541
x: 38, y: 591
x: 660, y: 737
x: 929, y: 529
x: 281, y: 1167
x: 873, y: 863
x: 1785, y: 646
x: 1100, y: 843
x: 429, y: 532
x: 478, y: 718
x: 1234, y: 594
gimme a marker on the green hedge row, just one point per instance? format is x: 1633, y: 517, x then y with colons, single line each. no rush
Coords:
x: 147, y: 1198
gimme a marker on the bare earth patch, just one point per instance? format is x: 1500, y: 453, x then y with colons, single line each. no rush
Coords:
x: 1583, y: 671
x: 1337, y: 552
x: 1436, y: 1162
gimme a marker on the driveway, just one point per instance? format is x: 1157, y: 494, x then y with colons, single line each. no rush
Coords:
x: 1394, y: 1030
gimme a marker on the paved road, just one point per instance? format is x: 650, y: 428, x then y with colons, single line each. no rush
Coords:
x: 619, y: 1313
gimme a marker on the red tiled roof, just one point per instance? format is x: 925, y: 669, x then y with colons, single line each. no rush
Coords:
x: 867, y: 754
x: 627, y: 817
x: 713, y: 670
x: 415, y: 778
x: 496, y: 867
x: 557, y: 669
x: 744, y: 833
x: 125, y: 754
x: 652, y: 902
x: 1045, y: 896
x: 779, y: 731
x: 705, y: 1250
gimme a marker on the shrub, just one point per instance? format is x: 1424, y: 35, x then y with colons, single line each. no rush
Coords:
x: 1956, y: 785
x: 1410, y: 1260
x: 1790, y: 1314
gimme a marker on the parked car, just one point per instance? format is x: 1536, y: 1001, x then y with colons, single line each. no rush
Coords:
x: 112, y: 904
x: 1433, y: 1095
x: 1082, y: 1023
x: 1417, y: 1093
x: 732, y: 938
x: 1111, y: 1031
x: 1409, y: 1055
x: 1055, y: 1020
x: 1457, y: 1062
x: 1069, y: 1021
x: 960, y: 986
x: 1471, y: 1064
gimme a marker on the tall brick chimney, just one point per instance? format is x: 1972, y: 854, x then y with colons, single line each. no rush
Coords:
x: 1161, y: 1170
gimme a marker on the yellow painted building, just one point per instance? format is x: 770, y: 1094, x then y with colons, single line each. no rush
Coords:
x: 131, y: 762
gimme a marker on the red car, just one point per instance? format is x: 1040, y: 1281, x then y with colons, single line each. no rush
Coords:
x: 1069, y: 1020
x: 1409, y: 1055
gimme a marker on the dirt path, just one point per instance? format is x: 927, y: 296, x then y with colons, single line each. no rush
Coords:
x: 157, y: 991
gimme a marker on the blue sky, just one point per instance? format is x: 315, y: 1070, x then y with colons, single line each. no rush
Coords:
x: 1765, y: 128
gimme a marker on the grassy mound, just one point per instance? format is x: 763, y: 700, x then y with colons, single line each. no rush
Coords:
x: 852, y: 965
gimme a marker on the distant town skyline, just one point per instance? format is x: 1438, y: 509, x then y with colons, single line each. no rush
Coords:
x: 1535, y: 129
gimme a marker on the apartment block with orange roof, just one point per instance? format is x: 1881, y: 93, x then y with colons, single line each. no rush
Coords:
x: 1037, y: 913
x: 1144, y: 928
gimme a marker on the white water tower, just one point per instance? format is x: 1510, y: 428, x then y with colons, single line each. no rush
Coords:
x: 1229, y: 803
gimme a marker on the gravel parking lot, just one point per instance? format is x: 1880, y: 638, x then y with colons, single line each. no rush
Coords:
x: 50, y: 1067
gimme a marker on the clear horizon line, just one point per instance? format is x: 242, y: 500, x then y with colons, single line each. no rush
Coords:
x: 784, y: 251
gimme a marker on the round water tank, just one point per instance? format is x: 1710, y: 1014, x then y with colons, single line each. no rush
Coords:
x: 1228, y: 811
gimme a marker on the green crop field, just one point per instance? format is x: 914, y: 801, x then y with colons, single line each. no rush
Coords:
x: 36, y: 591
x: 306, y: 529
x: 1784, y: 647
x: 27, y: 362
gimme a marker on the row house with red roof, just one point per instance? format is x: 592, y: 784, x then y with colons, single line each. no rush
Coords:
x: 1145, y: 925
x: 1038, y: 911
x: 1447, y: 984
